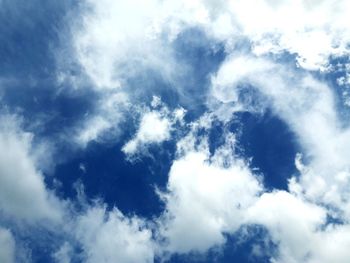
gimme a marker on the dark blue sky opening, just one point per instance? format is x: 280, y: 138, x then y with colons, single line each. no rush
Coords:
x: 271, y: 144
x: 109, y: 176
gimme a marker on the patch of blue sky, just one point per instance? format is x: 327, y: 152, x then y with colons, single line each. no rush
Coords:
x: 29, y: 32
x: 44, y: 106
x: 117, y: 182
x: 270, y: 144
x: 28, y: 39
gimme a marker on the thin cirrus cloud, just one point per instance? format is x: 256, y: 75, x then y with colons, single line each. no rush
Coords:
x: 127, y: 54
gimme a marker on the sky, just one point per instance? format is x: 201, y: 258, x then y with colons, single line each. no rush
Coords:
x: 174, y: 131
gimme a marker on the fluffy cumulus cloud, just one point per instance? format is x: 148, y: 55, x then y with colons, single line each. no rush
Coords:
x: 137, y: 60
x: 291, y: 221
x: 217, y: 192
x: 109, y: 236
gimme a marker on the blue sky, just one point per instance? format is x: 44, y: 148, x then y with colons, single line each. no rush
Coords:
x: 174, y: 131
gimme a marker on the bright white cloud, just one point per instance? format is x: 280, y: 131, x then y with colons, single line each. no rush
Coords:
x: 297, y: 226
x: 109, y: 236
x: 23, y: 194
x: 319, y: 31
x: 331, y: 245
x: 291, y: 223
x: 155, y: 127
x: 7, y: 246
x: 110, y: 52
x: 206, y: 197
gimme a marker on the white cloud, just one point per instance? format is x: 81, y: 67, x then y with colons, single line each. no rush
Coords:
x: 210, y: 196
x: 7, y: 246
x: 331, y: 245
x: 105, y: 122
x: 110, y: 52
x: 155, y: 127
x: 92, y: 129
x: 23, y: 194
x: 291, y: 223
x: 298, y: 227
x: 206, y: 198
x: 109, y: 236
x: 320, y: 31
